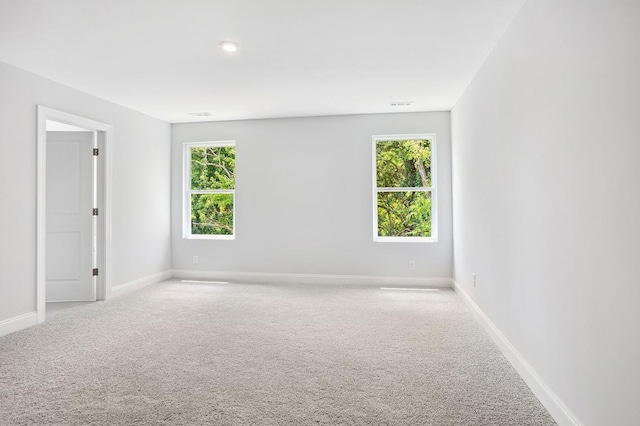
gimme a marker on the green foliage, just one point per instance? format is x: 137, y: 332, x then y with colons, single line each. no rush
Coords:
x: 212, y: 214
x: 212, y: 168
x: 404, y: 214
x: 404, y: 164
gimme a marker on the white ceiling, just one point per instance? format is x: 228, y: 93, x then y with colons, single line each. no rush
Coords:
x: 296, y: 57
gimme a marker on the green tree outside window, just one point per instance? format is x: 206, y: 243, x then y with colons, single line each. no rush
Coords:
x: 212, y: 190
x: 404, y: 187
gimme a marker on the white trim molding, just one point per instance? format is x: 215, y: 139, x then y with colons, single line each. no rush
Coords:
x: 548, y: 398
x: 134, y: 285
x: 18, y: 323
x: 291, y: 278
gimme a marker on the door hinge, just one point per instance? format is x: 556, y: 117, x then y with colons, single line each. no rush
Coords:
x: 95, y: 272
x: 96, y: 151
x: 95, y: 212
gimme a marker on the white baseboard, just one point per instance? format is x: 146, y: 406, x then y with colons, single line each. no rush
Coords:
x: 547, y: 397
x: 18, y: 323
x: 287, y: 278
x: 134, y: 285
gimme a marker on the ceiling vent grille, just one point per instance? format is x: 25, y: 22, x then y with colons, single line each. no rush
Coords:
x: 200, y: 114
x: 400, y: 104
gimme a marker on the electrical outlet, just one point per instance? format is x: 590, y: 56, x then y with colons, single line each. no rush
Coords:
x: 195, y: 260
x: 412, y: 265
x: 474, y: 279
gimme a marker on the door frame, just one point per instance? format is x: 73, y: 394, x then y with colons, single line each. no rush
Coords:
x: 104, y: 133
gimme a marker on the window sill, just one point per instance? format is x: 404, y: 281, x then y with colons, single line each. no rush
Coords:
x: 405, y: 239
x: 209, y: 237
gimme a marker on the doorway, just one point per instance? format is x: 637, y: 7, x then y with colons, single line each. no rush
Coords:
x: 73, y: 210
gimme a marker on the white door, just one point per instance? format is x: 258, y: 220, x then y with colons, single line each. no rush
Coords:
x: 70, y: 248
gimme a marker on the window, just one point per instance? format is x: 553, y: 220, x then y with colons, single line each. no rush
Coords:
x: 404, y: 188
x: 209, y: 196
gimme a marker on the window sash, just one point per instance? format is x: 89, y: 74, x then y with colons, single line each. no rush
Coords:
x: 189, y: 181
x: 406, y: 189
x: 428, y: 193
x: 220, y: 235
x: 211, y: 191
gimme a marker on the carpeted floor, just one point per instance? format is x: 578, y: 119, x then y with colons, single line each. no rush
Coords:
x: 241, y: 354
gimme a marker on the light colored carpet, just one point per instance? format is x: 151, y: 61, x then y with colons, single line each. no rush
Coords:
x: 242, y: 354
x: 55, y: 307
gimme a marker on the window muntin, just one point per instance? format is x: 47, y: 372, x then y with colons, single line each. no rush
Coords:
x: 209, y: 210
x: 404, y: 188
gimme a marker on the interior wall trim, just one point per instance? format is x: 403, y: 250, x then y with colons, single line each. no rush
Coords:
x: 554, y: 405
x: 18, y: 323
x: 134, y: 285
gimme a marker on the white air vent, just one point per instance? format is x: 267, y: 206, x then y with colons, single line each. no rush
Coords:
x: 400, y: 104
x: 200, y: 114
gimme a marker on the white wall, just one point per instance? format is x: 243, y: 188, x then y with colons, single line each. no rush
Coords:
x: 141, y: 170
x: 304, y: 198
x: 546, y: 190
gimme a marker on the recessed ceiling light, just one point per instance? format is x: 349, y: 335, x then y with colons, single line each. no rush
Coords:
x: 229, y: 46
x: 400, y: 104
x: 200, y: 114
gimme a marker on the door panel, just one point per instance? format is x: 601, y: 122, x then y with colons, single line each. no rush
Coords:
x: 64, y: 254
x: 69, y: 217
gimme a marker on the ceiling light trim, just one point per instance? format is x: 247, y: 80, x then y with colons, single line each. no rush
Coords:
x: 229, y: 46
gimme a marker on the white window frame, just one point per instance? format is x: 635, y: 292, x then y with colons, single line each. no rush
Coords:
x: 432, y: 189
x: 187, y: 191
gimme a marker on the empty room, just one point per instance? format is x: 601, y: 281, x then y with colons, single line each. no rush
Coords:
x: 420, y: 212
